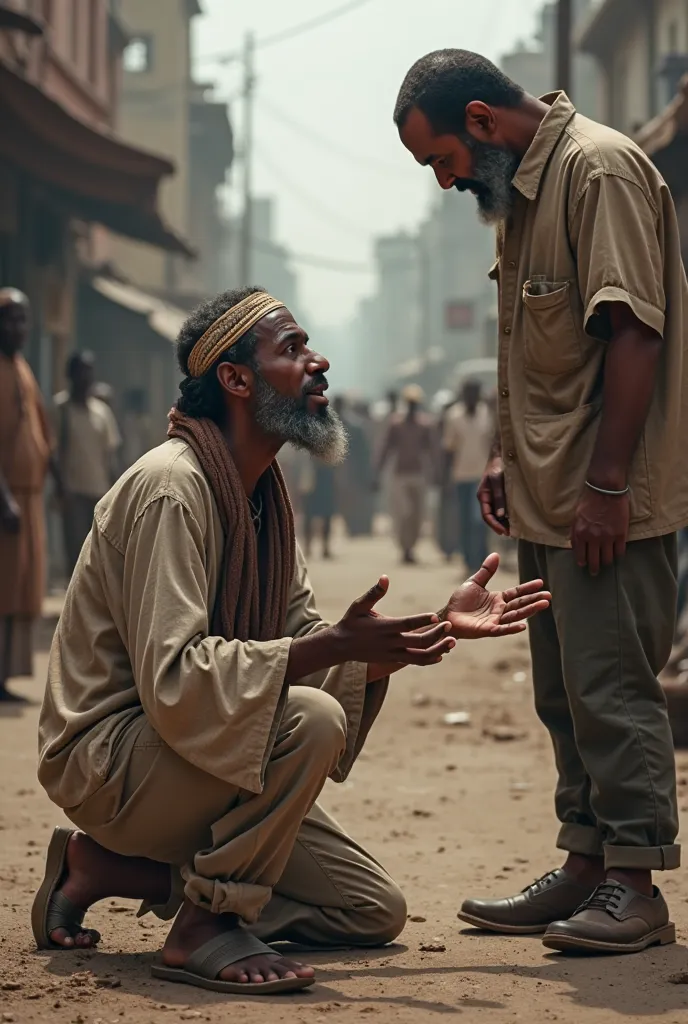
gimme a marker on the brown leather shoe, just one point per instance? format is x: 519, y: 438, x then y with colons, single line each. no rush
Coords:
x: 615, y: 919
x: 554, y: 896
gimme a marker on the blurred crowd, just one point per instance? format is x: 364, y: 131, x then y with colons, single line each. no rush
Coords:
x: 409, y: 469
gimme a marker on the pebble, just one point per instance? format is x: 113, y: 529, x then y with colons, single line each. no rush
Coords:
x: 432, y: 947
x: 457, y: 718
x: 10, y: 986
x: 417, y: 919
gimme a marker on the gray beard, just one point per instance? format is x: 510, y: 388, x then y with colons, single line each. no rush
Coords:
x: 322, y: 434
x: 494, y: 167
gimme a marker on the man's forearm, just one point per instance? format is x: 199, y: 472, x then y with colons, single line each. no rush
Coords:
x: 629, y: 381
x: 315, y: 653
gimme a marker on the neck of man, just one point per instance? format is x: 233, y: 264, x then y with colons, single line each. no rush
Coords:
x: 78, y: 396
x: 524, y: 123
x: 252, y: 451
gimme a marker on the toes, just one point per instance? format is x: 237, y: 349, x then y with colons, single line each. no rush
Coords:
x: 298, y: 970
x: 85, y: 939
x: 61, y: 937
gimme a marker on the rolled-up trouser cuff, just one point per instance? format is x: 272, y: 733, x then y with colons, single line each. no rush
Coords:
x: 649, y: 858
x: 241, y: 898
x: 583, y: 839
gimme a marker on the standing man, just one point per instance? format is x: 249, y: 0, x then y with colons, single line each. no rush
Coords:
x: 88, y: 441
x: 318, y: 486
x: 25, y: 446
x: 590, y: 474
x: 468, y: 436
x: 409, y: 446
x: 196, y: 702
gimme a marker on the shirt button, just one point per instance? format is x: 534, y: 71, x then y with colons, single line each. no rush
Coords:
x: 507, y: 330
x: 511, y: 264
x: 511, y: 456
x: 505, y: 392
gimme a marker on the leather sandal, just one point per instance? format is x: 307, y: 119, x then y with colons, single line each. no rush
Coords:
x: 203, y: 966
x: 52, y: 909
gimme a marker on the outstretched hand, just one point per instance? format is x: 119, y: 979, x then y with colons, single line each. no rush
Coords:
x: 475, y: 613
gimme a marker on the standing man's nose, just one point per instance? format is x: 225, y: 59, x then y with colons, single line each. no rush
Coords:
x: 445, y: 178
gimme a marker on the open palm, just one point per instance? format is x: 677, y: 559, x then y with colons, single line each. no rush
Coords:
x: 476, y: 612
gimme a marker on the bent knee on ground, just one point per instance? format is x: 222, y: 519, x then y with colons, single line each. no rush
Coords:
x: 316, y: 719
x: 382, y: 921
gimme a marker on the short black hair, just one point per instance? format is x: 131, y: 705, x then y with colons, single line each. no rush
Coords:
x: 201, y: 397
x: 444, y: 82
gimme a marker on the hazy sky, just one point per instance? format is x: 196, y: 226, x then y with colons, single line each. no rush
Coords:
x: 340, y: 82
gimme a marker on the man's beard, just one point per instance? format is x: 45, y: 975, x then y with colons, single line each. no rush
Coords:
x: 494, y: 168
x: 321, y: 433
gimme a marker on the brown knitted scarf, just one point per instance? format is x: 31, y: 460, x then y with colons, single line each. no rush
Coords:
x: 242, y: 611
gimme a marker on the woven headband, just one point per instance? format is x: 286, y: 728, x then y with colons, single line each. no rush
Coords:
x: 227, y: 330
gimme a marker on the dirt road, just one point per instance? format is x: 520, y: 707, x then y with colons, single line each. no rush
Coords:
x: 450, y: 810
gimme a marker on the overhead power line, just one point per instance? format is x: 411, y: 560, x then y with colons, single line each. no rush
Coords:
x: 331, y: 145
x: 289, y: 33
x: 308, y: 200
x: 312, y: 260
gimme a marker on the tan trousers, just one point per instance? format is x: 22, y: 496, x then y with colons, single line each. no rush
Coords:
x: 278, y: 860
x: 408, y: 509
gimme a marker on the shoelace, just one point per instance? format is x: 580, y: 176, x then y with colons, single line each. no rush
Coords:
x: 605, y: 897
x: 540, y: 883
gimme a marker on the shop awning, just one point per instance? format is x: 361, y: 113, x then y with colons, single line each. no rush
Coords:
x: 19, y: 21
x: 165, y: 319
x: 97, y: 175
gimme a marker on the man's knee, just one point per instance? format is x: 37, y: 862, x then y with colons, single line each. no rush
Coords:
x: 384, y: 921
x: 316, y: 720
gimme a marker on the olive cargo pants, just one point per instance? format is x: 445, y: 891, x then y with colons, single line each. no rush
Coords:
x: 596, y: 656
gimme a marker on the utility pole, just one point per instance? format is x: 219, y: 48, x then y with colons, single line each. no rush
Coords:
x: 247, y: 161
x: 564, y: 46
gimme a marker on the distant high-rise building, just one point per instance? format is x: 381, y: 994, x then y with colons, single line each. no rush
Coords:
x: 270, y: 261
x: 163, y: 108
x: 533, y: 65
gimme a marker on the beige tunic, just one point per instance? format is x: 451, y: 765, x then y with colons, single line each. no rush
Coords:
x: 132, y: 645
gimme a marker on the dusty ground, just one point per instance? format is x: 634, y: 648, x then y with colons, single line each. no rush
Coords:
x: 450, y: 810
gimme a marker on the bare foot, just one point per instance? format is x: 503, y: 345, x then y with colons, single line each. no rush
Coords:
x: 93, y: 873
x: 194, y: 926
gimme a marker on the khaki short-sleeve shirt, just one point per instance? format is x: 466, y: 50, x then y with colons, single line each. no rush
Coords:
x: 593, y: 223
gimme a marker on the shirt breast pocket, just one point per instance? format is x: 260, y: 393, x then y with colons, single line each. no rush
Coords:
x: 553, y: 342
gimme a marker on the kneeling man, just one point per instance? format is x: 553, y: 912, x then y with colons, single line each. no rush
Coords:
x: 196, y: 702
